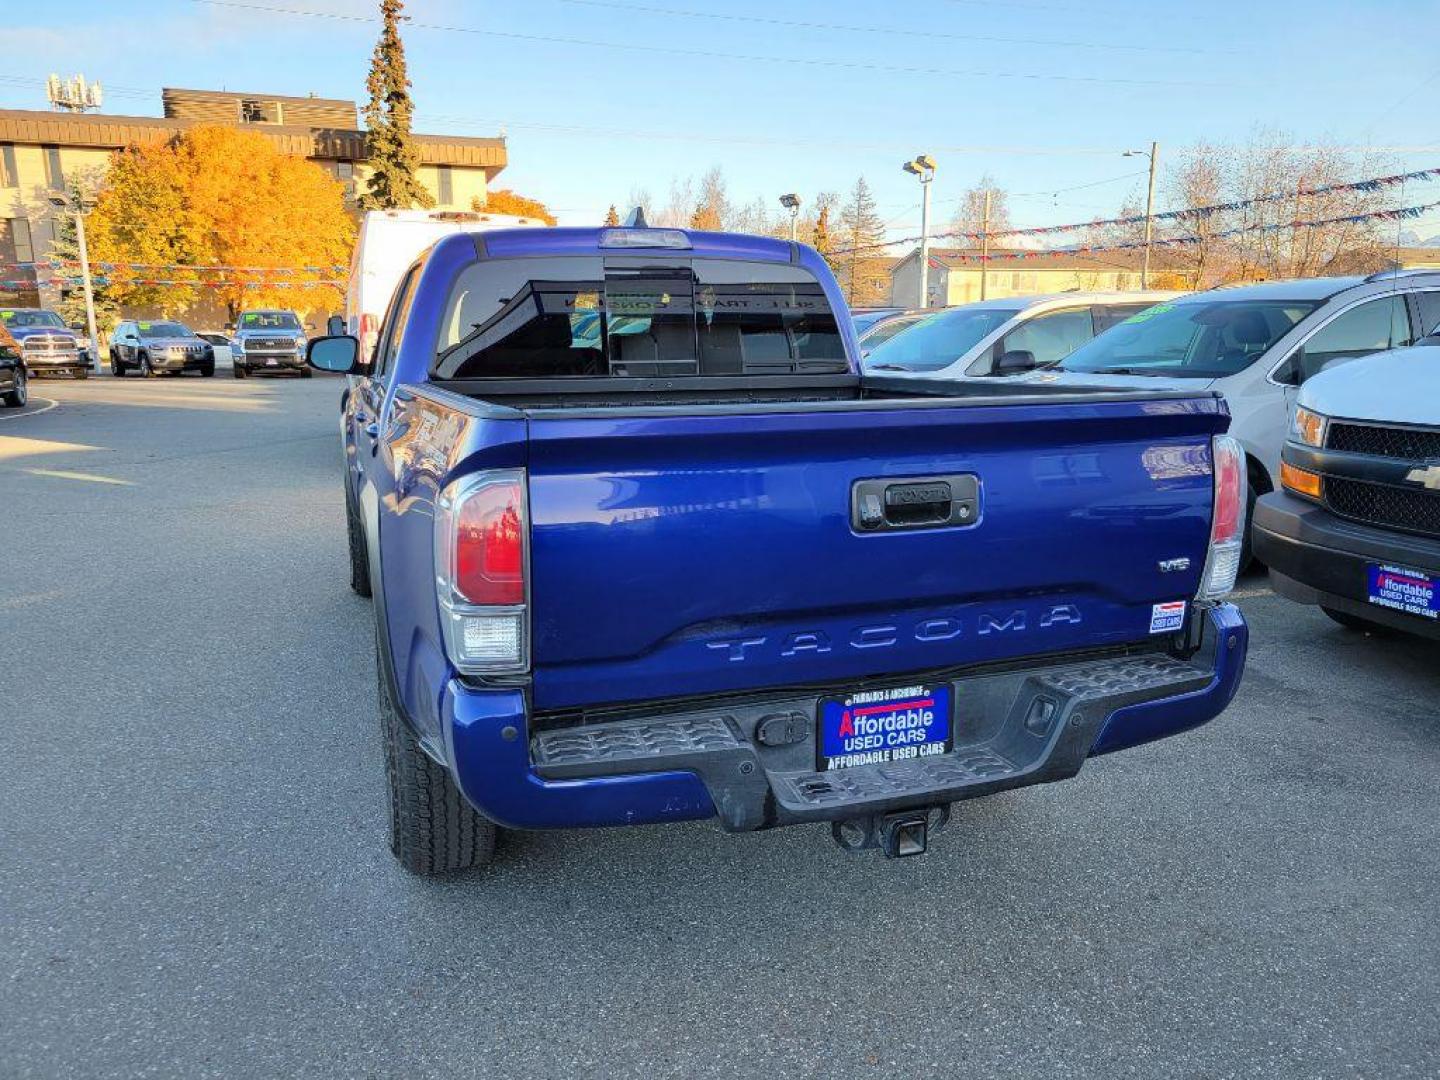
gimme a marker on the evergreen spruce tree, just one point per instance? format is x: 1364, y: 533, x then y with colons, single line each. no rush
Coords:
x: 66, y: 250
x: 393, y: 157
x: 863, y: 232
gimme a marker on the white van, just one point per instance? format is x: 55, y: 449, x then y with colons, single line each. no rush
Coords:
x: 389, y: 241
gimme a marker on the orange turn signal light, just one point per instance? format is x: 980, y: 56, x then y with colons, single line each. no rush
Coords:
x: 1299, y: 480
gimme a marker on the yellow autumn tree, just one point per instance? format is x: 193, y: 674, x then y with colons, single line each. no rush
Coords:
x: 220, y: 197
x: 505, y: 201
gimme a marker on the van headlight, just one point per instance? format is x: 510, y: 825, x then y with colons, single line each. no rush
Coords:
x: 1308, y: 428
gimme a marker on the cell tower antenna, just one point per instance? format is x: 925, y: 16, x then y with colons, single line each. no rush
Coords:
x: 74, y: 94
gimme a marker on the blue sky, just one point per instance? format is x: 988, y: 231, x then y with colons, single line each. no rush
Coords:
x: 800, y: 95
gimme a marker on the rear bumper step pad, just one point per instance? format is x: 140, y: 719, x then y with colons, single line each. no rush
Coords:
x: 1026, y: 727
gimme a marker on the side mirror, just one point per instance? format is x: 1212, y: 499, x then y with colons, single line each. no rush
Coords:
x: 1015, y: 362
x: 336, y: 353
x: 335, y: 325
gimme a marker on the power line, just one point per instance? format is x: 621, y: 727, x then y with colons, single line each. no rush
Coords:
x: 817, y: 62
x: 798, y: 24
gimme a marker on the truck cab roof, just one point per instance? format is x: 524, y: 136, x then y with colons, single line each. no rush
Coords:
x: 620, y: 241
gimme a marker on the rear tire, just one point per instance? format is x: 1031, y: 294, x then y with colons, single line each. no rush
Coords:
x: 116, y: 367
x: 16, y: 398
x: 1355, y: 622
x: 82, y: 373
x: 207, y: 371
x: 433, y: 830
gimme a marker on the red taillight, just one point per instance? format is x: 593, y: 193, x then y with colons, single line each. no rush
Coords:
x: 490, y: 545
x: 1229, y: 492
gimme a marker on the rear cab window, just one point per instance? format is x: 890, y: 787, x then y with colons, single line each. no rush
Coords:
x: 636, y: 317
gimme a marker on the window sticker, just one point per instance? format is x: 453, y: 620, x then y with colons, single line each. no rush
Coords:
x: 1148, y: 313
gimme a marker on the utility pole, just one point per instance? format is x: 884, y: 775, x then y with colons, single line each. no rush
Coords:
x: 64, y: 202
x: 85, y: 283
x: 985, y: 248
x: 923, y: 166
x: 1149, y: 216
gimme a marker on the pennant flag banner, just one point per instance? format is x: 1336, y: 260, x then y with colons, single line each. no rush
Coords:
x: 1374, y: 183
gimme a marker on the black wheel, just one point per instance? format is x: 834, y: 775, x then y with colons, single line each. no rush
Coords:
x: 238, y: 370
x: 305, y: 373
x: 16, y: 397
x: 146, y: 368
x: 359, y: 553
x: 1355, y: 622
x: 116, y: 367
x: 1247, y: 543
x: 433, y: 830
x: 82, y: 373
x: 207, y: 370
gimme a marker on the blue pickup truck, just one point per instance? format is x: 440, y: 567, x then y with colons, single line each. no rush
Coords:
x: 645, y: 546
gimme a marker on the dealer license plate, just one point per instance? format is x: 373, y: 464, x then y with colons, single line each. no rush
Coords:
x: 1400, y: 589
x: 272, y: 362
x: 874, y: 727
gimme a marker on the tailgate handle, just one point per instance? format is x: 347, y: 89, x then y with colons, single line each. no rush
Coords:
x: 915, y: 502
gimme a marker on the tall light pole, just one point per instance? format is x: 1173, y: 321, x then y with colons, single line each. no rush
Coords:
x: 1153, y: 155
x: 79, y: 207
x: 923, y: 166
x: 791, y: 202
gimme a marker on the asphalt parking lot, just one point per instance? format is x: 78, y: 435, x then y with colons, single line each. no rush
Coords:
x: 194, y: 882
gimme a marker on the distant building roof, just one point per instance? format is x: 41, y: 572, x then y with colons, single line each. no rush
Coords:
x: 323, y: 128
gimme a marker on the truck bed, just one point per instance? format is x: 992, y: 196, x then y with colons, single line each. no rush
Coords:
x: 779, y: 392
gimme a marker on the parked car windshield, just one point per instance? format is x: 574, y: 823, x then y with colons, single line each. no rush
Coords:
x: 163, y: 330
x: 936, y: 341
x: 269, y: 320
x: 637, y: 317
x: 13, y: 318
x: 1197, y: 340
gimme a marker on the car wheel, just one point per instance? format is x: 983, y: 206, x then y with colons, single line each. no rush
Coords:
x: 359, y: 553
x: 1355, y: 622
x: 116, y: 367
x: 305, y: 373
x: 207, y: 370
x: 16, y: 397
x: 1247, y: 543
x: 433, y: 830
x: 82, y: 373
x: 238, y: 370
x: 146, y: 369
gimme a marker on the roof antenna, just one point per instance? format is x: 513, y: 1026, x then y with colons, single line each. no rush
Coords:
x: 636, y: 220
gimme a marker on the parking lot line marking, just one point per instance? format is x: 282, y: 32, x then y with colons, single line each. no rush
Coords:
x: 50, y: 404
x: 63, y: 474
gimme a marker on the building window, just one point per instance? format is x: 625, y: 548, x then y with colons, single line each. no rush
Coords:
x: 9, y: 174
x: 15, y: 243
x: 345, y: 171
x: 256, y: 111
x: 54, y: 173
x: 445, y: 193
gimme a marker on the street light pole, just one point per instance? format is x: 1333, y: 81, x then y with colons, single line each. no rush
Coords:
x: 791, y: 202
x: 923, y: 166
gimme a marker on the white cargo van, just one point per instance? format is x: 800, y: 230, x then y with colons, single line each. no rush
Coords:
x: 388, y: 243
